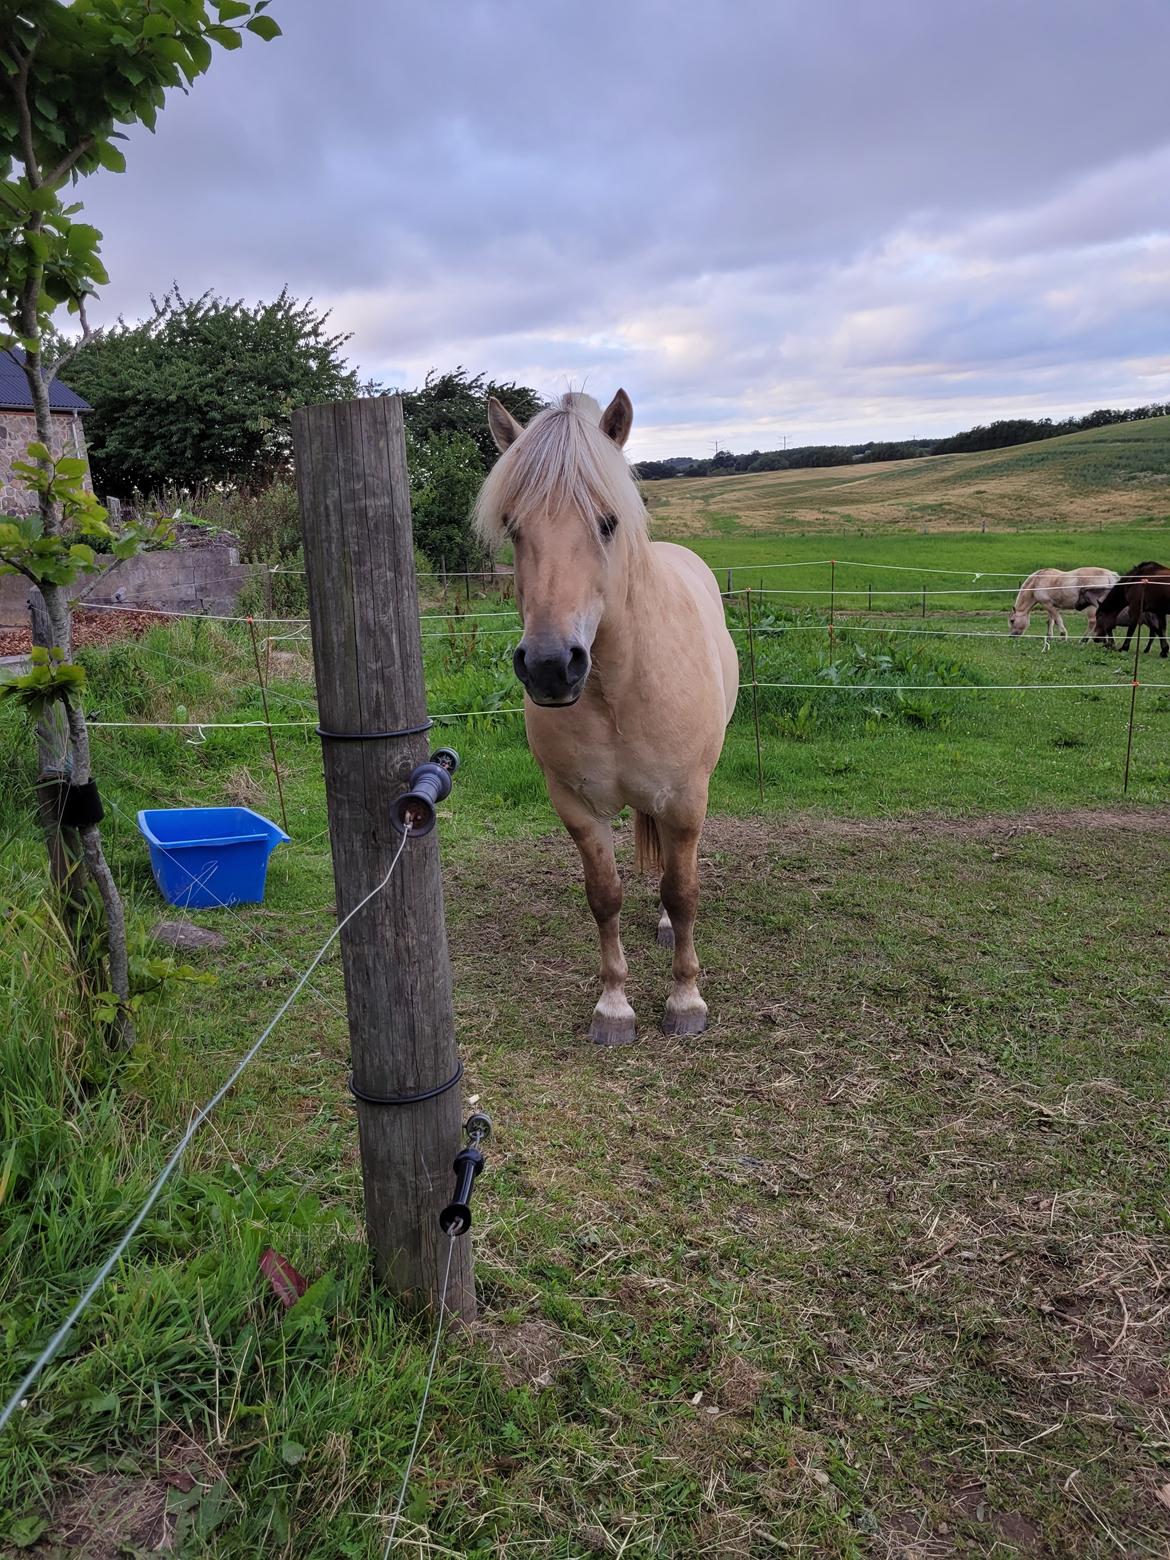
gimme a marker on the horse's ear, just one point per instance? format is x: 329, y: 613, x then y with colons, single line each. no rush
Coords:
x: 618, y: 418
x: 505, y: 429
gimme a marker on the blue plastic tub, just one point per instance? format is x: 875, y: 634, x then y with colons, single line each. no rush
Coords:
x: 205, y: 858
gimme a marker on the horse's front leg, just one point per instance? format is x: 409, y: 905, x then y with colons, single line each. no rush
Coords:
x: 613, y: 1017
x: 686, y: 1012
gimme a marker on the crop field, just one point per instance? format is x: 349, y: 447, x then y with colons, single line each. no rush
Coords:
x: 1117, y: 476
x: 879, y: 1266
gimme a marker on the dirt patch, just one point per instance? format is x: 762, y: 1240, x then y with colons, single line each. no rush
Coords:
x: 101, y: 1516
x: 529, y: 1354
x: 1011, y: 1526
x: 738, y: 1384
x: 735, y: 832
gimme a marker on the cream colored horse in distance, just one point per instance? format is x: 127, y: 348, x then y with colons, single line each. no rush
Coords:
x: 1060, y: 590
x: 629, y: 673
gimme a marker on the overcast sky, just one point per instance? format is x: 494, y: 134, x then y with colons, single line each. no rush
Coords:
x: 832, y: 219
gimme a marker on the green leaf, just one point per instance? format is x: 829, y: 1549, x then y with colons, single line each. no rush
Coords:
x: 38, y: 451
x: 25, y: 1531
x: 200, y: 53
x: 110, y: 157
x: 264, y: 27
x: 155, y: 25
x: 226, y: 37
x: 232, y: 10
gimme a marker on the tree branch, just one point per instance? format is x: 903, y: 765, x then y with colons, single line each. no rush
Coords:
x: 67, y: 162
x: 20, y: 89
x: 87, y: 335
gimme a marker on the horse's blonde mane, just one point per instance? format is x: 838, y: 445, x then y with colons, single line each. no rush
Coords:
x: 562, y: 461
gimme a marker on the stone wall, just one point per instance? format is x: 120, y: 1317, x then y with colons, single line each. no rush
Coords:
x: 17, y: 432
x: 206, y: 577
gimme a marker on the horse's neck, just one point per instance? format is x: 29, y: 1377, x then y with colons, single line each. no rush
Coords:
x: 1026, y: 600
x: 631, y: 627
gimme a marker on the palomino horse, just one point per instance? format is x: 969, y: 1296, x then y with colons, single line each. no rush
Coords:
x: 1142, y: 592
x: 1059, y: 590
x: 629, y: 673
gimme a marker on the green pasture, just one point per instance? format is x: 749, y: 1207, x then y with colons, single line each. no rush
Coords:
x: 844, y: 1277
x: 966, y: 572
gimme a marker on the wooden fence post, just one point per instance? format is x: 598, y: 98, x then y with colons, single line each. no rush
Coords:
x: 363, y: 606
x: 755, y: 694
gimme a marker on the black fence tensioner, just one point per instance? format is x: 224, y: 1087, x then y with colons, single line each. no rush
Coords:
x: 455, y: 1218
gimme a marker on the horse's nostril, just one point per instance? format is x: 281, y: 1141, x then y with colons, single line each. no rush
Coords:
x: 518, y: 660
x: 578, y: 663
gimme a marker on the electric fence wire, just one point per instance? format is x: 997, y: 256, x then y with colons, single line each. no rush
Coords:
x: 49, y: 1352
x: 406, y: 1472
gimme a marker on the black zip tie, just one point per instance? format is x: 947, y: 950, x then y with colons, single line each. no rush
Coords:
x: 404, y: 1099
x: 374, y: 736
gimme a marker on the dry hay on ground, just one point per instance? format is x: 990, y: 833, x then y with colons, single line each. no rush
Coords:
x: 891, y: 1222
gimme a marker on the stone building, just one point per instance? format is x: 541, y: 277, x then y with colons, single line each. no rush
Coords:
x: 18, y: 428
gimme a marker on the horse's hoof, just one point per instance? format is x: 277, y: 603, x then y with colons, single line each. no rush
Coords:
x: 680, y: 1026
x: 665, y: 935
x: 612, y: 1031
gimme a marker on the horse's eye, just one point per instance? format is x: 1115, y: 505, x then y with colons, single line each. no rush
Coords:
x: 607, y: 525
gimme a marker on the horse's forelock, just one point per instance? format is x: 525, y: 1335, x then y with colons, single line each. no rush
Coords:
x: 562, y: 461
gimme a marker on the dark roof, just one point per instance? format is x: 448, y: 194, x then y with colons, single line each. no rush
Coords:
x: 14, y: 394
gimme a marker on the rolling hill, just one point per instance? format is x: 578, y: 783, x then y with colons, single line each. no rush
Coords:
x: 1118, y: 475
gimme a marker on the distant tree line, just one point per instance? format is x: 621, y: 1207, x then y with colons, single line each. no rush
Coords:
x: 986, y: 436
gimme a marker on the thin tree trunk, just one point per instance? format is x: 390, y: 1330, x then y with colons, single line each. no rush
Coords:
x: 54, y: 767
x: 61, y: 630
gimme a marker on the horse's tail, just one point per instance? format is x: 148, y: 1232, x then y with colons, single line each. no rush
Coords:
x: 647, y: 845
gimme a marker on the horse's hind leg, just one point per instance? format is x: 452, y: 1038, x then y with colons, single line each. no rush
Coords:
x: 613, y: 1017
x: 665, y: 930
x: 686, y: 1012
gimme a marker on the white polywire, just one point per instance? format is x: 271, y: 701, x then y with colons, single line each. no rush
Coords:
x: 861, y: 590
x: 220, y: 617
x: 167, y: 612
x: 262, y: 725
x: 49, y: 1352
x: 423, y: 1407
x: 956, y: 687
x: 845, y: 627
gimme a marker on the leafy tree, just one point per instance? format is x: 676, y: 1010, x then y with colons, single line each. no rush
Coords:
x: 450, y: 450
x: 202, y: 391
x: 445, y: 475
x: 71, y: 71
x: 455, y: 403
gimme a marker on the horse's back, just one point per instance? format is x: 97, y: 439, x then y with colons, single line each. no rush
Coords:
x: 704, y: 587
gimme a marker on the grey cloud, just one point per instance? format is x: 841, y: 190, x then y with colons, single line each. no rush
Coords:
x: 711, y: 205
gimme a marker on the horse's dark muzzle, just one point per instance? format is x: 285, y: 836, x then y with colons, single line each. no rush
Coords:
x: 552, y: 674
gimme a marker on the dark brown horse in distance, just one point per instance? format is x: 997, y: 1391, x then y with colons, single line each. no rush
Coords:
x: 1143, y: 595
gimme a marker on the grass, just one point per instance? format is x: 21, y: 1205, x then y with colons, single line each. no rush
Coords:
x: 877, y: 1267
x: 1081, y: 482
